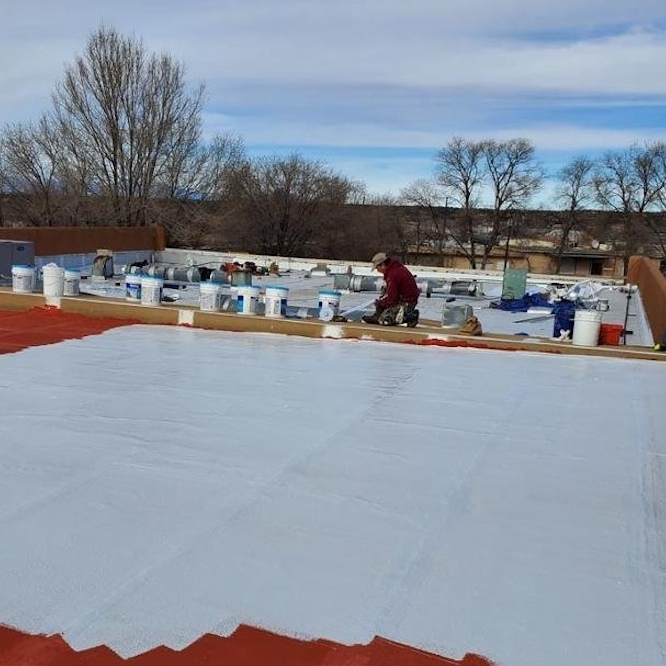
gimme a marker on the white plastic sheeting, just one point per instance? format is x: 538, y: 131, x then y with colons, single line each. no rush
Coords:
x: 159, y: 483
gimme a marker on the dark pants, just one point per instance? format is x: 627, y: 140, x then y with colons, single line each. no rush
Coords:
x: 394, y: 315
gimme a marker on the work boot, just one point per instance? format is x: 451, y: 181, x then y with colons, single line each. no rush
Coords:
x: 373, y: 318
x: 412, y: 318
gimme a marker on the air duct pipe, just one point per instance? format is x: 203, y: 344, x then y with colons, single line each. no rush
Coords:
x: 365, y: 283
x: 222, y: 277
x: 427, y: 286
x: 176, y: 273
x: 454, y: 287
x: 341, y: 281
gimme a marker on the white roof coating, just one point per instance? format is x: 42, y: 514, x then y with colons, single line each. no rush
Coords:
x: 157, y: 483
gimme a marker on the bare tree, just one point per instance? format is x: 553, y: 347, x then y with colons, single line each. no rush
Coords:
x: 30, y: 154
x: 126, y: 119
x: 575, y: 193
x: 630, y: 183
x: 514, y: 176
x: 357, y: 231
x: 283, y: 200
x: 652, y: 172
x: 204, y: 172
x: 461, y: 172
x: 425, y: 222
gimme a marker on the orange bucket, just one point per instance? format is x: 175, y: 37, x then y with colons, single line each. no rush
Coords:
x: 610, y: 334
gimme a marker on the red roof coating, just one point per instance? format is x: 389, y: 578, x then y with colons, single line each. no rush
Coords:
x: 245, y: 647
x: 45, y: 326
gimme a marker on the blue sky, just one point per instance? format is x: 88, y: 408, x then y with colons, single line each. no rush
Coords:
x: 374, y: 88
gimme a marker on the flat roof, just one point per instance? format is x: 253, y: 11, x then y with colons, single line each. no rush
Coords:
x: 162, y: 483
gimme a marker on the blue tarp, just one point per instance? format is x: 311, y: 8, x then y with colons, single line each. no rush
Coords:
x: 564, y: 311
x: 522, y: 304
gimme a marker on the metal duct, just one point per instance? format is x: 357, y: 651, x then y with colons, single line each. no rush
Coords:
x: 174, y: 273
x: 428, y: 287
x: 183, y: 274
x: 219, y: 276
x: 154, y: 270
x: 341, y: 281
x: 365, y: 283
x: 455, y: 287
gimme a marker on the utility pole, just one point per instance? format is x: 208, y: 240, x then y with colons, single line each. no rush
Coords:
x: 508, y: 239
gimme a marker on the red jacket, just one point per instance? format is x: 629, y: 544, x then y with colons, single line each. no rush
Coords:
x: 401, y: 286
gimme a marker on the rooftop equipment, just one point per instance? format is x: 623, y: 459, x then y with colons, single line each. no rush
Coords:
x: 15, y: 253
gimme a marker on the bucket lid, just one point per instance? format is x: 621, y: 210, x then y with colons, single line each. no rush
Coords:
x: 329, y: 292
x: 276, y: 287
x: 588, y: 315
x: 22, y: 267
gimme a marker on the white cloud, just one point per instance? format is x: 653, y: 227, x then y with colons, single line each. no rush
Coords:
x: 374, y: 73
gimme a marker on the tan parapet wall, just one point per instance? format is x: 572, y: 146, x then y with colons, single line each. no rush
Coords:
x: 53, y: 241
x: 171, y: 314
x: 644, y: 272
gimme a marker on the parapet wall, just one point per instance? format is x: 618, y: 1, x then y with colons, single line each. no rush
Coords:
x: 645, y: 273
x: 52, y: 241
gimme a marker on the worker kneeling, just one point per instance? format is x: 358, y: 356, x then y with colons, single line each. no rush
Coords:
x: 400, y: 294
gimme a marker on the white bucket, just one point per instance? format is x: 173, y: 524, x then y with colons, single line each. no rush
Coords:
x: 133, y: 288
x: 247, y: 300
x: 329, y: 305
x: 23, y: 279
x: 151, y: 290
x: 210, y: 296
x: 587, y: 325
x: 276, y: 301
x: 53, y: 277
x: 72, y: 282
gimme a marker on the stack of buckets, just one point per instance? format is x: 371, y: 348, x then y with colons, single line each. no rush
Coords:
x: 53, y: 278
x: 57, y: 281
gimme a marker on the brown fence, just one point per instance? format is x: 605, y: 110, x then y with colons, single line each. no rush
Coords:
x: 51, y: 241
x: 652, y: 285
